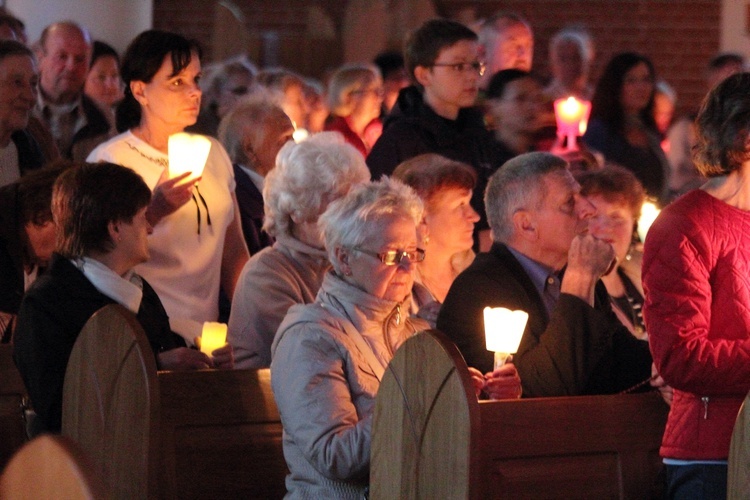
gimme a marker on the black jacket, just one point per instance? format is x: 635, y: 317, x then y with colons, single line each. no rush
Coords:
x: 574, y: 351
x: 413, y: 128
x: 52, y: 314
x: 250, y: 202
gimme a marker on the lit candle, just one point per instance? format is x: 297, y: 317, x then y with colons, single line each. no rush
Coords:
x: 649, y: 213
x: 572, y: 118
x: 503, y: 330
x: 187, y: 153
x: 214, y: 335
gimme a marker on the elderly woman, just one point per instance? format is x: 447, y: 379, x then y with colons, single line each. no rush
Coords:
x: 329, y: 356
x: 622, y: 126
x: 253, y: 134
x: 355, y: 97
x: 697, y: 307
x: 445, y: 232
x: 288, y: 89
x: 571, y: 53
x: 308, y: 176
x: 197, y: 245
x: 618, y: 197
x: 100, y: 210
x: 226, y: 82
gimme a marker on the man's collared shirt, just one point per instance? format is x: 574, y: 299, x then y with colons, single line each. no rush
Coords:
x: 62, y: 120
x: 545, y: 279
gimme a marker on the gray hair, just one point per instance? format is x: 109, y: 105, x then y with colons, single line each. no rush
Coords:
x: 347, y: 79
x: 517, y: 185
x: 251, y: 117
x: 308, y: 176
x: 491, y: 27
x: 347, y: 221
x: 580, y: 37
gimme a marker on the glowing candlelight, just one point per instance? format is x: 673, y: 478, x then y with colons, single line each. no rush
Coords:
x: 572, y: 118
x: 649, y: 213
x: 503, y: 330
x: 187, y: 153
x: 214, y: 335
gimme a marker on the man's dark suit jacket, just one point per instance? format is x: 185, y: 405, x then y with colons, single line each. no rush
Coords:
x: 575, y: 350
x: 250, y: 201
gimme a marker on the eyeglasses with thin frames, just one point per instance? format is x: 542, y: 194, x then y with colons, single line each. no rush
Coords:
x: 394, y: 257
x: 463, y: 67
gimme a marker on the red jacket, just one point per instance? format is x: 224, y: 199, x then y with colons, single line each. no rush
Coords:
x: 696, y: 276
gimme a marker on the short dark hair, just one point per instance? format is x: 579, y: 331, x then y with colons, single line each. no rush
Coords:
x: 501, y: 79
x: 142, y: 60
x: 35, y: 193
x: 87, y: 198
x: 616, y: 185
x: 723, y: 126
x: 725, y: 59
x: 606, y: 104
x: 389, y: 63
x: 424, y: 45
x: 429, y: 174
x: 10, y: 48
x: 101, y: 49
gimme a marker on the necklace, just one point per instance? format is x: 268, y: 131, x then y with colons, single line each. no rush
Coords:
x: 162, y: 162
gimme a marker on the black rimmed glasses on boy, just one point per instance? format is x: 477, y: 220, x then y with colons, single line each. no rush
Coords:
x: 463, y: 67
x: 394, y: 257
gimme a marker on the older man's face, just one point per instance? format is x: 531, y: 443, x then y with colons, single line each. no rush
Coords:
x: 64, y: 64
x: 514, y: 48
x: 18, y: 87
x: 563, y: 214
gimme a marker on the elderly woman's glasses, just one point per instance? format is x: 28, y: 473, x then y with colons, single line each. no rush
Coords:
x: 463, y: 67
x: 394, y: 257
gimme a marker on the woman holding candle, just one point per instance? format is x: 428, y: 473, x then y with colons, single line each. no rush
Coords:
x: 308, y: 176
x: 197, y: 245
x: 100, y: 212
x: 698, y: 297
x: 622, y: 126
x: 445, y: 232
x: 329, y: 356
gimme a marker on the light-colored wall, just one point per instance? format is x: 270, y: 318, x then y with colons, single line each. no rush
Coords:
x: 116, y: 22
x: 734, y: 34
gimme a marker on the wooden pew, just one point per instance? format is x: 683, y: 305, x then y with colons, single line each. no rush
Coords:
x: 433, y: 439
x: 50, y: 467
x: 13, y: 397
x: 205, y: 434
x: 738, y: 477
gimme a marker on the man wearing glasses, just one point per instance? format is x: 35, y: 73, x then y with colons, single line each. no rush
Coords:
x: 437, y: 113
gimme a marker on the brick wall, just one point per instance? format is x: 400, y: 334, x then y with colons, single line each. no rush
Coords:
x: 680, y: 36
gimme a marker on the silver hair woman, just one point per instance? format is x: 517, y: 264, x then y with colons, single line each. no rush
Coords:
x: 329, y: 356
x: 308, y: 176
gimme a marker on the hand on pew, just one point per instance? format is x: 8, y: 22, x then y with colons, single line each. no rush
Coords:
x: 659, y: 383
x: 183, y: 359
x: 221, y: 358
x: 503, y: 383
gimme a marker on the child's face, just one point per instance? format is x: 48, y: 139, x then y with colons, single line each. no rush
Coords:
x: 452, y: 82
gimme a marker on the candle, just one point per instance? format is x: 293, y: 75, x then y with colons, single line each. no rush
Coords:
x: 503, y: 330
x: 214, y: 335
x: 649, y: 212
x: 572, y: 118
x: 187, y: 153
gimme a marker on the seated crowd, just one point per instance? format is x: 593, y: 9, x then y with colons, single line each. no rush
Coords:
x: 327, y: 271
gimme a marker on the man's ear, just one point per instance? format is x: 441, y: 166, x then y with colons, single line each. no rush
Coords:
x: 342, y: 257
x: 137, y: 88
x: 524, y: 225
x: 113, y: 228
x: 423, y: 75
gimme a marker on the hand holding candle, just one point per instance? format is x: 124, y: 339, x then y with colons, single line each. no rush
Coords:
x: 213, y: 337
x: 187, y: 153
x: 503, y: 330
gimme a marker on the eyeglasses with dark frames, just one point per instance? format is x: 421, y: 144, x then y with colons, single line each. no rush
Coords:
x: 394, y: 257
x: 463, y: 67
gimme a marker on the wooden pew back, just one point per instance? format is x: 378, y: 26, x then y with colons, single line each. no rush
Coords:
x: 203, y: 434
x: 577, y: 447
x: 111, y: 401
x: 12, y: 396
x: 50, y: 467
x: 738, y: 480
